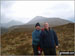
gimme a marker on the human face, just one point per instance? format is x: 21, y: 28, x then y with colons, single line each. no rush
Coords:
x: 37, y: 27
x: 46, y: 25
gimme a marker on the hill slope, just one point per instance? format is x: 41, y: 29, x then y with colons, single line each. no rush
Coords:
x: 19, y: 40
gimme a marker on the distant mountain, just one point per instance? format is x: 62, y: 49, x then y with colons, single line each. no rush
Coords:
x: 30, y: 25
x: 51, y: 21
x: 11, y: 23
x: 4, y: 27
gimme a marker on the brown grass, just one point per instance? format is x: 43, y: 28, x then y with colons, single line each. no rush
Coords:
x: 19, y: 41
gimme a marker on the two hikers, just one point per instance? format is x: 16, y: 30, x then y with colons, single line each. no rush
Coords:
x: 48, y: 40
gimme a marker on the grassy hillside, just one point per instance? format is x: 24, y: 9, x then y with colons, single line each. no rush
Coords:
x: 19, y: 41
x: 65, y: 35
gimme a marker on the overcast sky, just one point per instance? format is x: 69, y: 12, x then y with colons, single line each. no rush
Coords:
x: 25, y: 11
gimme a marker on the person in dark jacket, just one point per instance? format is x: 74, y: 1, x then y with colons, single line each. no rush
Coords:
x: 36, y: 38
x: 48, y: 40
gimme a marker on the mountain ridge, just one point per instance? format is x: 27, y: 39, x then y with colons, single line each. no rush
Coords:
x: 11, y: 23
x: 52, y: 21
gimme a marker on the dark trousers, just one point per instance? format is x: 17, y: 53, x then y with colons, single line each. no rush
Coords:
x: 49, y: 51
x: 35, y: 49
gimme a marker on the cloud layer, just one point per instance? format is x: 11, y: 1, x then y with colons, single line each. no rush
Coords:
x: 24, y: 11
